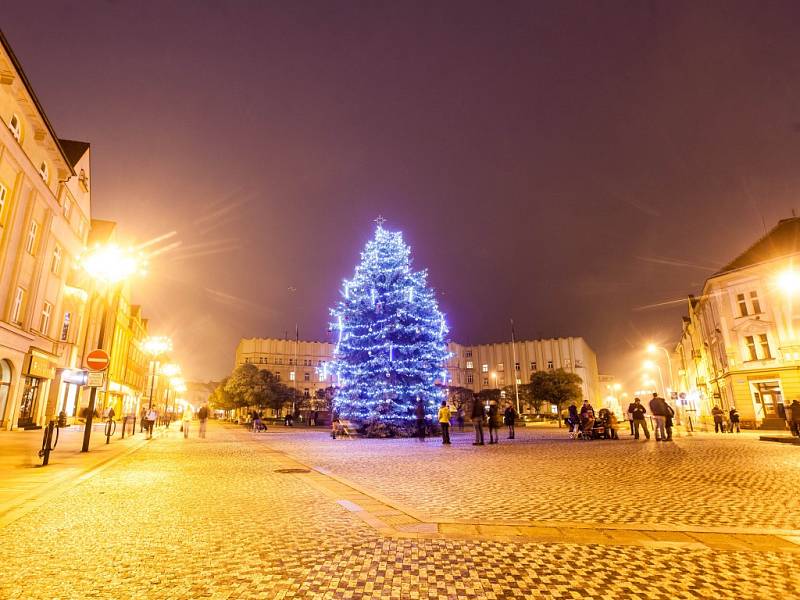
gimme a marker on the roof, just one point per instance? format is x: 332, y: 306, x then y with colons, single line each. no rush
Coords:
x: 18, y: 67
x: 781, y: 240
x: 74, y: 150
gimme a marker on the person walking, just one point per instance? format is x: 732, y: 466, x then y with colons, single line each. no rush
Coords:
x: 152, y: 415
x: 719, y: 420
x: 733, y: 420
x: 510, y: 419
x: 478, y: 415
x: 794, y: 416
x: 658, y: 408
x: 202, y: 415
x: 668, y: 420
x: 629, y: 416
x: 444, y: 422
x: 638, y: 411
x: 142, y: 418
x: 419, y: 410
x: 494, y: 422
x: 187, y: 420
x: 460, y: 418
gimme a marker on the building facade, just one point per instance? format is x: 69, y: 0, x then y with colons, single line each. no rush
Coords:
x: 304, y: 365
x: 740, y: 343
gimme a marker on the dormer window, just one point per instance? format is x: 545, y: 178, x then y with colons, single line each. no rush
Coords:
x: 15, y: 125
x: 44, y: 172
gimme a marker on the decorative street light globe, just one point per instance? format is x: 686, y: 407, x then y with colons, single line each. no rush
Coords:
x: 157, y: 345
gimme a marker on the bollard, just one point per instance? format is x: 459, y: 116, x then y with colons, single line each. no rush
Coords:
x: 111, y: 427
x: 48, y: 444
x: 124, y: 424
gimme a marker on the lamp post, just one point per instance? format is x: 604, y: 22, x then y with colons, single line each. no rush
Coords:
x: 649, y: 364
x: 170, y: 370
x: 652, y: 349
x: 108, y: 265
x: 155, y: 346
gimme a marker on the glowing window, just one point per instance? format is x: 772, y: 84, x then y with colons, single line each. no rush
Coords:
x: 44, y: 324
x: 57, y: 255
x: 30, y: 242
x: 15, y: 125
x: 16, y: 309
x: 3, y: 194
x: 44, y: 172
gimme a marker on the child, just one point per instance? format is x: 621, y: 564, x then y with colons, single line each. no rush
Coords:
x: 614, y: 426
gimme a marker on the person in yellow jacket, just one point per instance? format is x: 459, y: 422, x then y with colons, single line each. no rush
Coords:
x: 444, y: 422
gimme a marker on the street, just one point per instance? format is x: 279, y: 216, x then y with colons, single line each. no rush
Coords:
x: 537, y: 517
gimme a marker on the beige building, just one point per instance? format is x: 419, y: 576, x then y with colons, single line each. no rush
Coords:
x: 304, y: 365
x: 44, y: 223
x: 740, y: 343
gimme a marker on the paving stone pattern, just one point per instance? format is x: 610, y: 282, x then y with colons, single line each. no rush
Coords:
x: 700, y: 481
x: 212, y: 519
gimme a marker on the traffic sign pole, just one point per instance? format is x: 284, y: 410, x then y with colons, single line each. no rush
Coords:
x: 87, y: 431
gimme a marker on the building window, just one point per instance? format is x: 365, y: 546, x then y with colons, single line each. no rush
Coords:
x: 56, y: 266
x: 750, y: 342
x: 322, y: 376
x: 500, y: 367
x: 65, y: 326
x: 469, y: 364
x: 291, y: 375
x: 306, y: 376
x: 519, y: 381
x: 67, y: 208
x: 16, y: 308
x: 484, y: 368
x: 47, y: 310
x: 485, y: 382
x: 533, y: 365
x: 3, y: 194
x: 549, y: 364
x: 44, y: 172
x: 81, y: 227
x: 30, y: 242
x: 277, y: 376
x: 15, y: 125
x: 742, y: 305
x: 578, y: 363
x: 765, y: 351
x: 468, y: 354
x: 306, y: 393
x: 755, y: 303
x: 516, y: 366
x: 567, y: 363
x: 469, y: 378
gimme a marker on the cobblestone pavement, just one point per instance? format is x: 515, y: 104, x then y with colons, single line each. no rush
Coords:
x: 213, y: 519
x: 701, y: 480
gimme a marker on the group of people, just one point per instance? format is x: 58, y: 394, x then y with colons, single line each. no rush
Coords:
x: 149, y: 417
x: 586, y: 425
x: 480, y: 416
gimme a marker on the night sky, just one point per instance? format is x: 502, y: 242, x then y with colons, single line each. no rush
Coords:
x: 562, y: 163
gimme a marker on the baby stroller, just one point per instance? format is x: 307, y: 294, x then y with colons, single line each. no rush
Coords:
x: 591, y: 429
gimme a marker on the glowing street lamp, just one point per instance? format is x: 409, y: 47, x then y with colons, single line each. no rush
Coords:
x: 789, y: 281
x: 653, y: 349
x: 649, y: 365
x: 155, y: 346
x: 108, y: 265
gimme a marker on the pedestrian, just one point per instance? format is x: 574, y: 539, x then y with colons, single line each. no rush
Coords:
x: 110, y: 413
x: 478, y: 415
x: 794, y: 415
x: 719, y: 420
x: 202, y: 414
x: 419, y: 410
x: 142, y: 418
x: 152, y: 415
x: 460, y: 418
x: 733, y: 420
x: 613, y: 425
x: 494, y: 422
x: 638, y: 411
x: 187, y: 420
x: 658, y: 408
x: 573, y: 420
x: 629, y: 416
x: 669, y: 420
x: 510, y: 419
x: 444, y: 422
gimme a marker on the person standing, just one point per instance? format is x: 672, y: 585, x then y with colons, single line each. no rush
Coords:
x: 460, y: 418
x: 152, y: 415
x: 659, y: 411
x: 494, y: 422
x: 733, y: 417
x: 187, y: 420
x: 573, y: 419
x: 719, y: 420
x: 142, y: 419
x: 419, y: 410
x: 510, y: 419
x: 794, y: 416
x: 478, y: 415
x: 202, y: 414
x: 629, y: 416
x: 638, y: 411
x: 669, y: 420
x: 444, y: 422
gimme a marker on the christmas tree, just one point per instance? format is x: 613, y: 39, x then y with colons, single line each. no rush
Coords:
x: 390, y: 340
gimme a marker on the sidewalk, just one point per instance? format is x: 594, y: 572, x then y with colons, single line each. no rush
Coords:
x: 22, y: 478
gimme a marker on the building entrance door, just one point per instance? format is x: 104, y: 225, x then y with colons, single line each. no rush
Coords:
x: 30, y: 400
x: 767, y: 395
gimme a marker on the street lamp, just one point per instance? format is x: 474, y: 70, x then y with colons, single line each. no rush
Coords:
x: 649, y: 365
x: 652, y: 349
x: 155, y: 346
x: 789, y: 281
x: 108, y: 265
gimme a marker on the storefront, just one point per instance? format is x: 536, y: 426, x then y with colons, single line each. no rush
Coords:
x: 37, y: 373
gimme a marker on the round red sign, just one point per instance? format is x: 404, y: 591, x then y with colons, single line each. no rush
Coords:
x: 97, y: 360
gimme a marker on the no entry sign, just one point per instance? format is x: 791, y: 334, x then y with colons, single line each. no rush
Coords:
x: 97, y: 360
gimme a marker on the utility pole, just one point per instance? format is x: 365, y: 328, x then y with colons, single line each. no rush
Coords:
x: 514, y: 354
x: 87, y: 431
